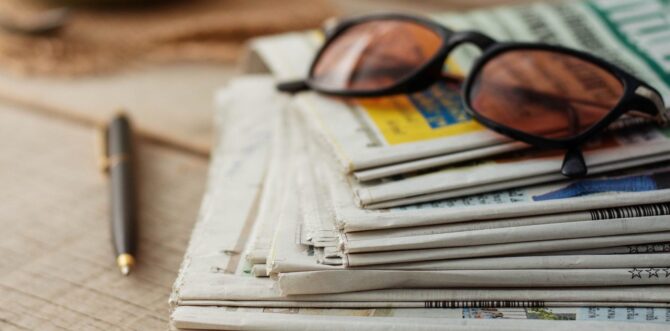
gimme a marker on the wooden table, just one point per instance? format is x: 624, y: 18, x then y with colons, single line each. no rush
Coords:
x: 56, y: 262
x: 57, y: 269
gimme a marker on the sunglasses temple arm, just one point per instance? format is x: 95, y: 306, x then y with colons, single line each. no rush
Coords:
x: 478, y: 39
x: 293, y: 86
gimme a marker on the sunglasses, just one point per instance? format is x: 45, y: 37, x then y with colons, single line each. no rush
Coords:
x: 544, y: 95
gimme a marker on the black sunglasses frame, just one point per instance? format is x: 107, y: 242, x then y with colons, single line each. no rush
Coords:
x: 420, y: 79
x: 631, y: 99
x: 637, y: 95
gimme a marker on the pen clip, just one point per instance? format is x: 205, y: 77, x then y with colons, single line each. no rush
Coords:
x: 103, y: 153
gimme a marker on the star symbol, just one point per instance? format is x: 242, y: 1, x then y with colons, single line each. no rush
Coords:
x: 651, y: 248
x: 667, y: 272
x: 653, y: 272
x: 632, y: 249
x: 635, y: 273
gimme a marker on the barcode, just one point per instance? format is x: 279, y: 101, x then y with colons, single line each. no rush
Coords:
x: 631, y: 211
x: 484, y: 304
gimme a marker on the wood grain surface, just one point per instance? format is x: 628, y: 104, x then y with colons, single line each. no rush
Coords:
x: 57, y: 270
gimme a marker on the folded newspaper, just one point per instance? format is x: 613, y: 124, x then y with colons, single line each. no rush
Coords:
x: 369, y: 215
x: 264, y: 214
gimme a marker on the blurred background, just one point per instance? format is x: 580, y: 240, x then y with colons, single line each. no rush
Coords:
x: 75, y: 37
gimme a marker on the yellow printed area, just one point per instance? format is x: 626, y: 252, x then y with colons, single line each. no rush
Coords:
x: 453, y: 68
x: 400, y: 122
x: 317, y: 35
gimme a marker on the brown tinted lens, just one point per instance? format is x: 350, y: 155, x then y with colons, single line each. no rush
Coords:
x: 374, y: 55
x: 544, y: 93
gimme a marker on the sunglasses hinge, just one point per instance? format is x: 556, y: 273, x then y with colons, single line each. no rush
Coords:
x: 663, y: 117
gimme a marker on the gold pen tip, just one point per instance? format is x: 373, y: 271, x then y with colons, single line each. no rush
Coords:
x: 125, y: 262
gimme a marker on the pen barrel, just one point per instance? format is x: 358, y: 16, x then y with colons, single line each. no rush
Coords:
x: 121, y: 175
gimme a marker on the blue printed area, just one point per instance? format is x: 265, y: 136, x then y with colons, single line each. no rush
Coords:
x: 441, y: 105
x: 586, y: 187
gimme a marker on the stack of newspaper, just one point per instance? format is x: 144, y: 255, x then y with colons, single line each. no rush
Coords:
x: 324, y: 214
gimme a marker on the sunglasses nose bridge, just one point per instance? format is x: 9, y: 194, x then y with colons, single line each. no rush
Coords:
x: 293, y: 86
x: 478, y: 39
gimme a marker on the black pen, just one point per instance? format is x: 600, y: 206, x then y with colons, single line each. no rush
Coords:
x: 117, y: 163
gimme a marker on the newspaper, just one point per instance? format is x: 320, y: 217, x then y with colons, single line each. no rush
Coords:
x: 546, y: 199
x: 245, y: 201
x: 513, y: 203
x: 586, y: 227
x: 659, y: 247
x: 373, y: 258
x: 272, y: 186
x: 291, y: 254
x: 387, y: 238
x: 370, y: 135
x: 600, y: 214
x: 288, y: 253
x: 539, y: 262
x: 580, y: 229
x: 238, y: 290
x: 411, y: 319
x: 297, y: 257
x: 609, y: 150
x: 337, y: 125
x: 214, y: 274
x: 519, y: 182
x: 459, y: 157
x: 235, y: 179
x: 341, y: 281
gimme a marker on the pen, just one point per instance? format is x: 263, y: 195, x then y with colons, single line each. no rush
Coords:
x: 117, y: 163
